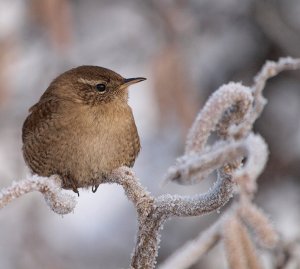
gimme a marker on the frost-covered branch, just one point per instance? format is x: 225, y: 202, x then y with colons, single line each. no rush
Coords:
x: 184, y: 206
x: 233, y: 125
x: 213, y: 111
x: 153, y: 212
x: 255, y: 150
x: 239, y: 248
x: 269, y: 70
x: 192, y: 168
x: 60, y: 202
x: 134, y: 191
x: 260, y: 224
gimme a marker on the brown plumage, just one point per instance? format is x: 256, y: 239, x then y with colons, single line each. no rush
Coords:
x: 82, y: 127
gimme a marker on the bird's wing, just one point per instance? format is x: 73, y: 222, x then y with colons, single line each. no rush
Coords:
x: 135, y: 143
x: 40, y: 115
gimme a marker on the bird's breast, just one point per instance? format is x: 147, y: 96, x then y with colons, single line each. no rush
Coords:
x: 105, y: 139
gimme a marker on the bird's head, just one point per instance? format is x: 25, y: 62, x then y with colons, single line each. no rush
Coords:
x: 92, y: 85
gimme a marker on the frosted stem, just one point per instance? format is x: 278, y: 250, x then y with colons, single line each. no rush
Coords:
x: 153, y: 212
x: 211, y: 114
x: 57, y: 200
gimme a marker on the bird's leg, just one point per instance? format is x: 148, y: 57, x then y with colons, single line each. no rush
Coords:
x: 69, y: 183
x: 74, y: 189
x: 95, y: 187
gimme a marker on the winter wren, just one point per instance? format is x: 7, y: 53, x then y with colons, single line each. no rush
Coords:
x: 82, y: 127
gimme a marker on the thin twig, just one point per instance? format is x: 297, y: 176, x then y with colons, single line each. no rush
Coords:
x: 269, y: 70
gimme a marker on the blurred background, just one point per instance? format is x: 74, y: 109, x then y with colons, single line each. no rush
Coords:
x: 186, y: 49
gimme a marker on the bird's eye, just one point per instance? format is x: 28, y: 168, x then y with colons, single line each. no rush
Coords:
x: 101, y: 87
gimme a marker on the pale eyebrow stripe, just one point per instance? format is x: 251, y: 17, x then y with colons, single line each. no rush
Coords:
x: 87, y: 81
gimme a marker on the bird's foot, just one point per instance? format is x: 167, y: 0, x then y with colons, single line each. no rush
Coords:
x: 95, y: 187
x: 69, y: 183
x: 74, y: 189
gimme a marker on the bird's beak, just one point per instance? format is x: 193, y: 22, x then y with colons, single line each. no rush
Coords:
x: 129, y: 81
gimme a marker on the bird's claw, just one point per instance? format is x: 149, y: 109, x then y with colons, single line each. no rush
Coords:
x: 75, y: 190
x: 94, y: 188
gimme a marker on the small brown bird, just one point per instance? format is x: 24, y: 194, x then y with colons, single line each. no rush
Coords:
x: 82, y: 127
